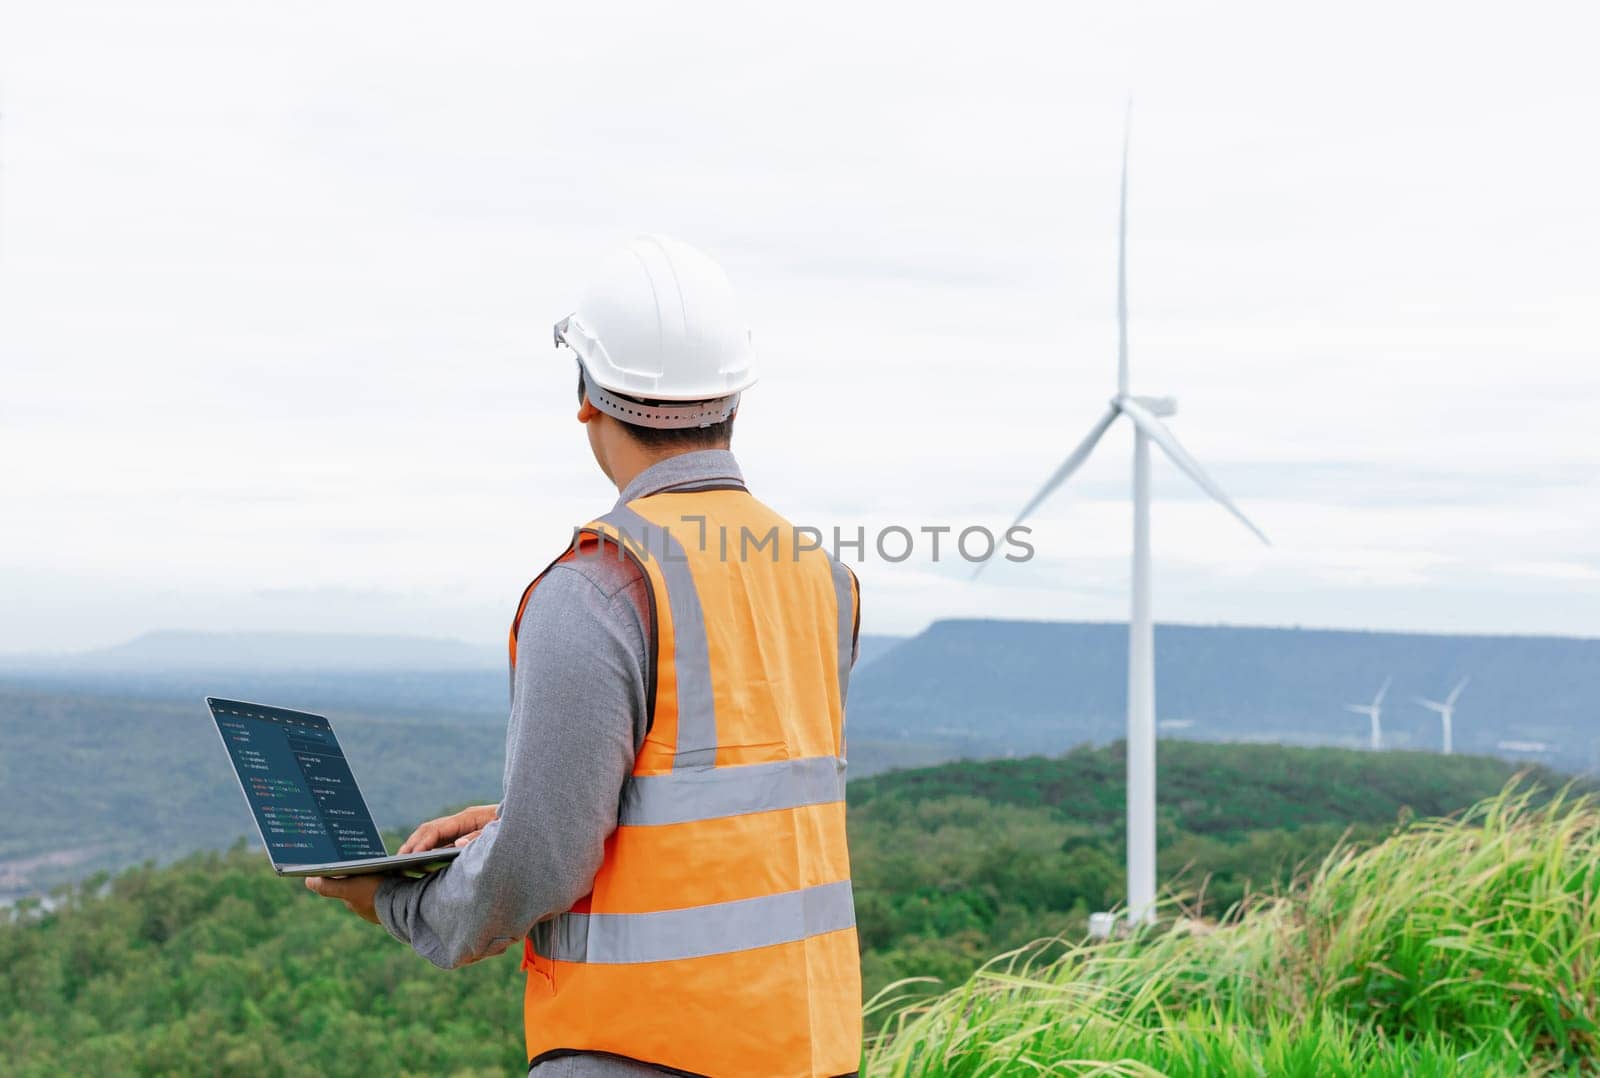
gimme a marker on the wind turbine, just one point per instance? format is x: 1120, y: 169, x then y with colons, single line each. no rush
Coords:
x: 1145, y: 414
x: 1446, y: 710
x: 1374, y: 711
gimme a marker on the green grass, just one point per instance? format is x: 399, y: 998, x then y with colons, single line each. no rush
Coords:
x: 1459, y: 946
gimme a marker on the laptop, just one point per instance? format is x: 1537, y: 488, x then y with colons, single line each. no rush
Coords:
x: 308, y: 808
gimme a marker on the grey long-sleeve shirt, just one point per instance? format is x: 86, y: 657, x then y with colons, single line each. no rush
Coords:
x: 578, y: 717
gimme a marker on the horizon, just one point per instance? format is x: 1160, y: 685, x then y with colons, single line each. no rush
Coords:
x: 486, y: 646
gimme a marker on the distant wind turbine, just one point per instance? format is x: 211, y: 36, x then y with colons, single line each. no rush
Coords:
x: 1374, y: 711
x: 1446, y: 710
x: 1144, y: 413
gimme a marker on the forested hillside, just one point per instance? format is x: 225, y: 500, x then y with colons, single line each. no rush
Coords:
x: 213, y: 965
x: 103, y: 782
x: 90, y: 781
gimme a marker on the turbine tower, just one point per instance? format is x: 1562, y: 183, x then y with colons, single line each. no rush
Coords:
x: 1374, y: 711
x: 1145, y: 413
x: 1446, y: 710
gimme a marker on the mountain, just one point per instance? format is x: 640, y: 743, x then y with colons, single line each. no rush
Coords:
x: 255, y: 652
x: 103, y: 766
x: 398, y: 676
x: 408, y: 677
x: 988, y: 687
x: 871, y: 647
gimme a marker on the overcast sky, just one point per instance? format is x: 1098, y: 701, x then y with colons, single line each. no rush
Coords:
x: 277, y: 281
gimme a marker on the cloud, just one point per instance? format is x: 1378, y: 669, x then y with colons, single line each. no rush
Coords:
x: 276, y: 283
x: 1572, y: 571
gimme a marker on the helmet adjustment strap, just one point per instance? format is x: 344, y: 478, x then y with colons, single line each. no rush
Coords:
x: 668, y: 416
x: 664, y: 415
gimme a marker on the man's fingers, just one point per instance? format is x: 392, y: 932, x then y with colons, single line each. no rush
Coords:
x: 355, y: 892
x: 467, y: 823
x: 421, y: 839
x: 327, y: 886
x: 426, y: 837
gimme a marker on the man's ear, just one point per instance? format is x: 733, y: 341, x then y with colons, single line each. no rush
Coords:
x: 587, y: 411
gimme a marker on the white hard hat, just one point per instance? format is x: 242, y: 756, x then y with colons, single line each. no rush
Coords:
x: 660, y: 324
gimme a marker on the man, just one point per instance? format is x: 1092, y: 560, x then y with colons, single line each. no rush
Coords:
x: 670, y: 848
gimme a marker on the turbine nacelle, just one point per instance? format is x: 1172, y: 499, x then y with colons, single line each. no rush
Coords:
x: 1374, y: 712
x: 1448, y: 704
x: 1446, y: 710
x: 1160, y: 407
x: 1145, y: 414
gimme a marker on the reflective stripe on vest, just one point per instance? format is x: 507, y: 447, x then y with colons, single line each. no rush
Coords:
x: 724, y: 895
x: 655, y: 800
x: 669, y: 935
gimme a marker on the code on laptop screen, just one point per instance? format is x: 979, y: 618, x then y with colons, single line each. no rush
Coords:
x: 298, y: 784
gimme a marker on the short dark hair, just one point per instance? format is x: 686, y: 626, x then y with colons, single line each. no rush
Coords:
x: 716, y: 436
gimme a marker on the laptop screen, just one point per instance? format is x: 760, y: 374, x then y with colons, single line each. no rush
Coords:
x: 299, y: 786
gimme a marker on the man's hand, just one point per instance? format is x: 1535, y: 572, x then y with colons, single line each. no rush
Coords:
x: 356, y: 892
x: 459, y: 829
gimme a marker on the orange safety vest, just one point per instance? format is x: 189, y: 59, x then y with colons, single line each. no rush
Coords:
x: 719, y: 937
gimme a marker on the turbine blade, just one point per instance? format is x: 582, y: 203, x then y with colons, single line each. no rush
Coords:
x: 1433, y: 705
x: 1073, y: 462
x: 1377, y: 701
x: 1162, y: 436
x: 1455, y: 692
x: 1122, y: 258
x: 1358, y: 709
